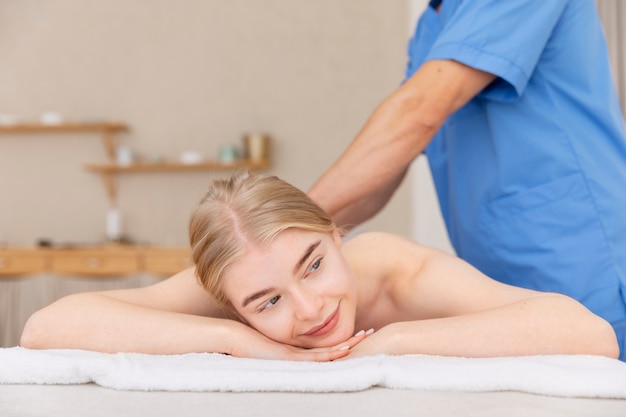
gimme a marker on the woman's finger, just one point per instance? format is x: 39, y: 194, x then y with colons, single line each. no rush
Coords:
x: 356, y: 339
x: 347, y: 344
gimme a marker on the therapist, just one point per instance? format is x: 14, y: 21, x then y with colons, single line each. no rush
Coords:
x: 513, y: 103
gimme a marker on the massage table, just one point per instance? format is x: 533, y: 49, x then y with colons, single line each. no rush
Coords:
x: 56, y: 383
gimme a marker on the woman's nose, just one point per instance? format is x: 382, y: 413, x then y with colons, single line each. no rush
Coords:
x: 308, y: 304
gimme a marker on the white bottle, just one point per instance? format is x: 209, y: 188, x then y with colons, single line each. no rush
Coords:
x: 114, y: 224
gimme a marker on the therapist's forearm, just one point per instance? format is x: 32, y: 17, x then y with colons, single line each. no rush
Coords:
x: 397, y: 132
x: 380, y: 152
x: 364, y: 209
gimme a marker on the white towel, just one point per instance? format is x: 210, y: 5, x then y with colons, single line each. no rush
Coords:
x: 558, y: 375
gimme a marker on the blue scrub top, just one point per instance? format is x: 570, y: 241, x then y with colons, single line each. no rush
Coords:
x: 531, y: 173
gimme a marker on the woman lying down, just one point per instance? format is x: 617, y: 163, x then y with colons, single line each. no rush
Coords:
x: 274, y: 280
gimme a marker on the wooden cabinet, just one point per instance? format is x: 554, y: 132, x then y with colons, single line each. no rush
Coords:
x: 17, y: 262
x: 108, y: 261
x: 166, y: 261
x: 95, y: 263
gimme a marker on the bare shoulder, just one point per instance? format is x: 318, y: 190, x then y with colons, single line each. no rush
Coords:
x: 386, y: 246
x: 423, y: 282
x: 386, y: 256
x: 364, y: 241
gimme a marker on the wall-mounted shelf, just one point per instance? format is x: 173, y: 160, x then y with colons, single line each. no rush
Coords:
x: 106, y: 129
x: 109, y: 171
x: 175, y: 166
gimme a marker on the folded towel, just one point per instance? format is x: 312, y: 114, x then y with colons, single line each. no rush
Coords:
x: 558, y: 375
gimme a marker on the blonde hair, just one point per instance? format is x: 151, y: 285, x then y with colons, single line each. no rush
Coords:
x: 246, y: 209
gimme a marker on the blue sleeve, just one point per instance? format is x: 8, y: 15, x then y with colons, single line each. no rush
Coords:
x: 503, y: 37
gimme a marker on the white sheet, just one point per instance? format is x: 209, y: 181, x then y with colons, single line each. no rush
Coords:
x: 559, y: 375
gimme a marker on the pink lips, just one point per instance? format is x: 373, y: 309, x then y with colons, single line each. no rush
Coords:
x: 324, y: 328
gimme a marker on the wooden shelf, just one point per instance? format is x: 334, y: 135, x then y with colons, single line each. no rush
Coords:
x: 110, y: 171
x: 175, y: 166
x: 63, y: 127
x: 106, y: 129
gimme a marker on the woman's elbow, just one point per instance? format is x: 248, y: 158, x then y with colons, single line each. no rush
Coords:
x: 33, y: 334
x: 606, y: 342
x: 64, y: 324
x: 42, y: 329
x: 596, y: 335
x: 580, y: 331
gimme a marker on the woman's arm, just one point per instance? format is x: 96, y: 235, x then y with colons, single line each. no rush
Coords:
x: 174, y: 316
x: 447, y: 307
x: 549, y: 324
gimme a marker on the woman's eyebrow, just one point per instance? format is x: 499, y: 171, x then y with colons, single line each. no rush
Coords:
x: 256, y: 296
x: 306, y: 255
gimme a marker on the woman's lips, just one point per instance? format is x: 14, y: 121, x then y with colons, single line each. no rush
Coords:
x: 328, y: 325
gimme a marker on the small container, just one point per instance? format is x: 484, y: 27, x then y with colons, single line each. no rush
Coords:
x: 124, y: 155
x: 114, y: 224
x: 51, y: 118
x: 190, y: 157
x: 257, y: 146
x: 228, y: 154
x: 9, y: 119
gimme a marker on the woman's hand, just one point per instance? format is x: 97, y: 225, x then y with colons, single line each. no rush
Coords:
x: 376, y: 343
x: 249, y: 343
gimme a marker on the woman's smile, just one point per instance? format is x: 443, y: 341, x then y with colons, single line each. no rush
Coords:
x: 327, y: 326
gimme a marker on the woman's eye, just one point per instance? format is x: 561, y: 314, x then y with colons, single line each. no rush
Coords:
x: 316, y: 265
x: 272, y: 302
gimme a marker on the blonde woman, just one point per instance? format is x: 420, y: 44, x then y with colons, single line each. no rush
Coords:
x: 273, y: 279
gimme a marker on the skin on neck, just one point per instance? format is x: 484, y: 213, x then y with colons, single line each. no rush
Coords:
x: 375, y: 286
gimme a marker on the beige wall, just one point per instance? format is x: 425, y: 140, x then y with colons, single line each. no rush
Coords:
x: 192, y: 74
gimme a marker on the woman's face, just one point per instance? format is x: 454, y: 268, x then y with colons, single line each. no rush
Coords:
x: 298, y: 290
